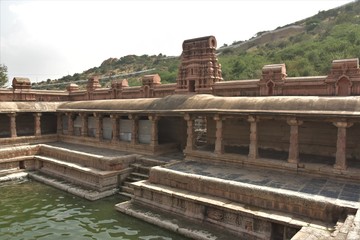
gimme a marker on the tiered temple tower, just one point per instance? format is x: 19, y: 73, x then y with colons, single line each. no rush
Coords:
x: 199, y: 68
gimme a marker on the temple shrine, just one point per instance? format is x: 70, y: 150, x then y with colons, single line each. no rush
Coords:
x: 269, y: 158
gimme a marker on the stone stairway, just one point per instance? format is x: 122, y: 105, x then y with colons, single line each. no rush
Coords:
x: 96, y: 172
x: 140, y: 171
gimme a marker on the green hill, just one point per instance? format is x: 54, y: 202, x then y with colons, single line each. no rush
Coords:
x: 307, y: 47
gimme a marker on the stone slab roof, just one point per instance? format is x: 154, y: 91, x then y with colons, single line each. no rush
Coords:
x: 7, y: 107
x: 203, y: 103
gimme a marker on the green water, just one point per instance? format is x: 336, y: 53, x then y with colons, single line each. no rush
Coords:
x: 31, y: 210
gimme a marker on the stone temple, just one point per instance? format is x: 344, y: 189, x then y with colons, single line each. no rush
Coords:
x: 270, y: 158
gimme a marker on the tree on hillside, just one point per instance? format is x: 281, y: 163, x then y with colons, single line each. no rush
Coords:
x: 3, y: 75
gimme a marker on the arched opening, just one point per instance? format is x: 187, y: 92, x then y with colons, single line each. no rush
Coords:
x: 343, y: 87
x: 270, y: 88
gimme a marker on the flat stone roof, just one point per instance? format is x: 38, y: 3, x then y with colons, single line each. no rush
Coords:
x: 7, y: 107
x: 203, y: 103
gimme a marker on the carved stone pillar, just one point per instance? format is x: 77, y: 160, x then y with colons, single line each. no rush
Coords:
x: 340, y: 161
x: 115, y: 127
x: 253, y: 147
x: 190, y: 132
x: 154, y: 130
x: 37, y: 124
x: 98, y: 125
x: 59, y: 123
x: 70, y: 124
x: 219, y: 146
x: 84, y: 124
x: 134, y: 129
x: 294, y: 140
x: 13, y: 133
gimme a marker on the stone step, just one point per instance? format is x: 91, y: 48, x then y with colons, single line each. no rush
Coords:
x: 76, y: 166
x: 127, y: 184
x: 72, y: 188
x: 128, y: 190
x: 83, y: 176
x: 133, y: 179
x: 139, y: 175
x: 175, y: 223
x: 93, y: 160
x: 217, y: 204
x: 17, y: 159
x: 15, y: 176
x: 126, y: 194
x: 5, y: 172
x: 140, y: 168
x: 343, y: 227
x: 149, y: 162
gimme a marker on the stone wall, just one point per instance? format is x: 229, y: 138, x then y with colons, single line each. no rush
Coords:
x: 318, y: 138
x: 315, y: 138
x: 198, y: 74
x: 256, y: 196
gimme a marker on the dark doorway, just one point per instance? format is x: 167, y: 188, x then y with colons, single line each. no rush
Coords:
x: 192, y: 86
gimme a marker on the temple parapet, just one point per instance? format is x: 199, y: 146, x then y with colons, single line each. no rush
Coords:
x: 200, y: 73
x: 72, y: 87
x: 21, y: 83
x: 151, y: 80
x: 93, y: 83
x: 272, y: 80
x: 344, y: 77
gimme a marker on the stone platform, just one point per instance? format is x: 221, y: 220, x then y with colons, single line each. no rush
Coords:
x: 88, y: 172
x: 251, y: 203
x: 305, y: 185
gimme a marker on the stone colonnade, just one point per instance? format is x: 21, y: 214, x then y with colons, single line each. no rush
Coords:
x: 253, y: 120
x: 293, y: 151
x: 37, y: 124
x: 115, y: 126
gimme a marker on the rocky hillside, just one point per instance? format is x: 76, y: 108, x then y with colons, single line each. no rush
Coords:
x: 307, y: 47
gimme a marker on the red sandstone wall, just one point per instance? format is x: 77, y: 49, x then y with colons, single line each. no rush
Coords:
x: 237, y: 132
x: 353, y: 144
x: 315, y: 138
x: 273, y: 135
x: 318, y: 138
x: 345, y: 79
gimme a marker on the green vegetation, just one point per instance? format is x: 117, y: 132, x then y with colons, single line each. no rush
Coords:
x: 3, y: 75
x: 329, y: 35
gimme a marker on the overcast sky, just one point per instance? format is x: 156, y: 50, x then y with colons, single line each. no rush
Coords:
x: 51, y: 39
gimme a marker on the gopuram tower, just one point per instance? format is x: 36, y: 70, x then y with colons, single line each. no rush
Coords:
x: 199, y: 68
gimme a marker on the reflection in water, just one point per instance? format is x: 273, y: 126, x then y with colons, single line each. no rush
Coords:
x: 30, y: 210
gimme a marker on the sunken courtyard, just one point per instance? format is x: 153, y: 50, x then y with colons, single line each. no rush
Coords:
x: 270, y: 158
